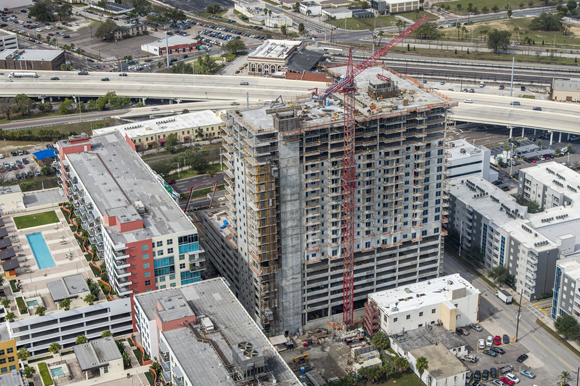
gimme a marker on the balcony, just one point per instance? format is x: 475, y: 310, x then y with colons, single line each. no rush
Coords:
x: 120, y: 255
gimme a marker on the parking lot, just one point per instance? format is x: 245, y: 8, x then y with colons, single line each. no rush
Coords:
x: 19, y: 167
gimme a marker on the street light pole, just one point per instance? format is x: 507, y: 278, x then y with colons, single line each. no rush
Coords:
x: 519, y: 316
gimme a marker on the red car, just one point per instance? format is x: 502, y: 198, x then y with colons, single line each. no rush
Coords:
x: 507, y: 381
x: 497, y: 340
x: 20, y: 166
x: 171, y: 182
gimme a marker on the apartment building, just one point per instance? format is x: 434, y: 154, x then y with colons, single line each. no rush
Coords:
x: 283, y: 217
x: 8, y: 359
x: 529, y: 245
x: 205, y: 321
x: 130, y: 213
x: 201, y: 125
x: 8, y: 40
x: 450, y: 301
x: 566, y: 283
x: 469, y: 160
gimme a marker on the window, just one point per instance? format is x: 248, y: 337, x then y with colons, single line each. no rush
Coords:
x: 147, y: 282
x: 4, y: 370
x: 144, y: 247
x: 147, y: 274
x: 160, y: 243
x: 433, y: 311
x: 160, y: 252
x: 145, y: 256
x: 13, y: 367
x: 10, y: 359
x: 145, y: 265
x: 170, y: 242
x: 395, y: 320
x: 182, y: 266
x: 420, y: 314
x: 182, y: 257
x: 9, y: 350
x: 2, y: 361
x: 172, y: 277
x: 408, y: 317
x: 1, y: 352
x: 169, y: 250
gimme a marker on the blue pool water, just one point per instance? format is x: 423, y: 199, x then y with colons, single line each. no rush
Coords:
x: 32, y: 303
x: 56, y: 372
x: 40, y: 251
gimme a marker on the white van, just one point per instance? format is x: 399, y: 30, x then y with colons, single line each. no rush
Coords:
x: 481, y: 84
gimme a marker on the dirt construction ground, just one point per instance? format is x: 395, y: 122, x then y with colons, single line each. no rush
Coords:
x: 330, y: 358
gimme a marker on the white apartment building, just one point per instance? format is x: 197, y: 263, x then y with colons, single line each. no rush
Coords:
x: 468, y: 160
x: 566, y: 298
x: 284, y: 203
x: 8, y: 40
x: 312, y: 6
x: 448, y: 300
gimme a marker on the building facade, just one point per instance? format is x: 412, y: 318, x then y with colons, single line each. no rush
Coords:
x: 8, y: 359
x: 126, y: 32
x: 284, y: 204
x: 271, y: 56
x: 336, y: 13
x: 312, y: 6
x: 565, y: 90
x: 175, y: 44
x: 32, y: 60
x: 8, y: 40
x: 130, y: 213
x: 566, y: 283
x: 444, y: 369
x: 468, y: 160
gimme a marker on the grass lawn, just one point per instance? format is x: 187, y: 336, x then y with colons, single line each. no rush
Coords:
x: 150, y: 377
x: 372, y: 22
x: 191, y: 173
x: 486, y: 3
x: 398, y: 379
x: 34, y: 220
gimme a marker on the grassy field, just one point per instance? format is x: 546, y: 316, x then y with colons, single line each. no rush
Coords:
x: 191, y: 173
x: 398, y: 379
x: 487, y: 3
x: 34, y: 220
x: 564, y: 42
x: 375, y: 22
x: 80, y: 127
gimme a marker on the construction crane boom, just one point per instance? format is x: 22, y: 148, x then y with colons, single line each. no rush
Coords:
x: 348, y: 87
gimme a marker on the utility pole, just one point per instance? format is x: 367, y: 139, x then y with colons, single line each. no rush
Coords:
x: 512, y: 82
x: 460, y: 236
x: 519, y: 316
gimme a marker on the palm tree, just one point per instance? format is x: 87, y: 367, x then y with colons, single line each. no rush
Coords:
x: 6, y: 304
x: 64, y: 304
x: 422, y: 365
x: 106, y: 333
x: 81, y: 339
x: 211, y: 173
x: 401, y: 363
x: 54, y: 347
x: 10, y: 317
x: 380, y: 35
x: 564, y: 376
x: 458, y: 26
x: 40, y: 310
x: 23, y: 354
x: 29, y: 372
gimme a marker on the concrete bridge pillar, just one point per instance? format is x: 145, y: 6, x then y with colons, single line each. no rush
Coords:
x: 51, y: 99
x: 523, y: 132
x: 551, y: 137
x: 560, y: 139
x: 143, y: 100
x: 534, y: 132
x: 42, y: 100
x: 568, y: 138
x: 511, y: 131
x: 171, y: 101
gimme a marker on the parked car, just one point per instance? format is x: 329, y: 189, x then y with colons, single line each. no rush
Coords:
x: 491, y: 353
x: 489, y: 341
x: 485, y: 375
x: 477, y: 376
x: 477, y: 327
x: 171, y: 182
x: 497, y: 340
x: 512, y: 377
x: 528, y: 373
x: 497, y: 382
x: 462, y: 331
x: 25, y: 161
x: 481, y: 344
x: 522, y: 358
x: 498, y: 350
x: 507, y: 381
x: 493, y: 372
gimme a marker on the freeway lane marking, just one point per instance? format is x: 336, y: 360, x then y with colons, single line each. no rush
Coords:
x: 523, y: 328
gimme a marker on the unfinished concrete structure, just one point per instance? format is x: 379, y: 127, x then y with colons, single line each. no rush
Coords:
x: 278, y: 242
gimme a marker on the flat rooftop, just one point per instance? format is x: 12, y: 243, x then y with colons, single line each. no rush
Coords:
x: 566, y: 84
x: 442, y: 363
x: 427, y: 336
x: 571, y: 266
x: 460, y: 149
x: 434, y: 291
x: 67, y: 287
x: 172, y: 40
x: 316, y: 115
x: 32, y: 55
x: 173, y: 308
x: 233, y: 325
x: 120, y: 183
x: 12, y: 378
x: 274, y: 49
x: 161, y: 125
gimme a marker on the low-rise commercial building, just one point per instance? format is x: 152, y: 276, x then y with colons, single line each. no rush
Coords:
x: 449, y: 300
x: 444, y: 368
x: 8, y: 40
x: 468, y: 160
x: 396, y: 6
x: 204, y: 125
x: 13, y: 378
x: 429, y: 335
x: 206, y: 322
x: 336, y: 13
x: 174, y: 43
x: 310, y: 8
x: 271, y: 56
x: 31, y: 60
x: 100, y: 355
x: 249, y: 8
x: 567, y: 90
x: 124, y: 32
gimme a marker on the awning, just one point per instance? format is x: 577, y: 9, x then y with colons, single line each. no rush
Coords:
x: 10, y: 265
x: 5, y: 243
x: 186, y: 137
x: 7, y: 254
x: 2, y: 221
x: 162, y: 140
x: 150, y: 143
x: 3, y: 233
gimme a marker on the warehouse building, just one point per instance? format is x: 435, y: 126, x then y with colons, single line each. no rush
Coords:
x: 31, y: 60
x: 565, y: 90
x: 175, y: 44
x: 284, y: 202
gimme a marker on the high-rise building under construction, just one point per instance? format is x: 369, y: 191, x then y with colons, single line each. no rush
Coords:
x: 278, y: 240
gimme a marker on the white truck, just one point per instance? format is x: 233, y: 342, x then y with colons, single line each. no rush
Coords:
x: 23, y: 75
x: 504, y: 296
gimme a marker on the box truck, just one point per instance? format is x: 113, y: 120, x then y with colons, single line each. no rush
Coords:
x: 23, y: 75
x: 504, y: 296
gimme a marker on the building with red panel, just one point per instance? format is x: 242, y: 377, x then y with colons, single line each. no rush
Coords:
x: 175, y: 43
x: 130, y: 213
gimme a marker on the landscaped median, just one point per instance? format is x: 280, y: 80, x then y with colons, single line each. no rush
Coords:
x: 45, y: 374
x: 34, y: 220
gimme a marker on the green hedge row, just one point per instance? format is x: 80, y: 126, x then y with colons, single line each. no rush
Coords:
x: 45, y: 374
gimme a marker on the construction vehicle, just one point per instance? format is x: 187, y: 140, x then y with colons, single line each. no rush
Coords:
x: 301, y: 358
x: 347, y: 86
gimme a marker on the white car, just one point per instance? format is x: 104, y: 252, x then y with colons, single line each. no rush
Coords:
x: 48, y: 27
x: 38, y: 30
x: 489, y: 341
x: 512, y: 377
x: 481, y: 344
x: 468, y: 101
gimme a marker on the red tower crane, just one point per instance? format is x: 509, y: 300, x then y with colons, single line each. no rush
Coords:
x: 348, y: 87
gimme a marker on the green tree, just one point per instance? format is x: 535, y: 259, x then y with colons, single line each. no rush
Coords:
x: 139, y: 104
x: 40, y: 311
x: 216, y: 8
x: 161, y: 168
x: 209, y: 9
x: 301, y: 29
x: 106, y: 333
x: 373, y: 373
x: 23, y: 354
x: 6, y: 304
x: 141, y: 7
x: 401, y: 364
x: 90, y: 299
x: 283, y: 30
x: 29, y: 372
x: 65, y: 106
x: 45, y: 170
x: 564, y: 376
x: 498, y: 40
x: 495, y: 8
x: 42, y: 11
x: 81, y: 339
x: 567, y: 326
x: 200, y: 162
x: 539, y: 142
x: 64, y: 304
x: 54, y: 347
x: 199, y: 133
x: 546, y: 22
x: 102, y: 4
x: 296, y: 7
x: 400, y: 24
x: 64, y: 11
x: 10, y: 317
x: 106, y: 30
x: 24, y: 104
x: 236, y: 46
x: 500, y: 274
x: 571, y: 5
x: 570, y: 149
x: 171, y: 140
x: 422, y: 365
x: 381, y: 340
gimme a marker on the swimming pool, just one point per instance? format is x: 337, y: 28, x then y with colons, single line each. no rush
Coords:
x: 40, y: 251
x: 57, y: 372
x: 32, y: 303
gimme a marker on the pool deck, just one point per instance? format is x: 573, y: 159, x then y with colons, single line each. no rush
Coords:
x: 64, y: 249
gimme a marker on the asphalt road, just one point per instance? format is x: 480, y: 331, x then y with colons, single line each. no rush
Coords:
x: 183, y: 185
x: 547, y: 356
x: 40, y: 122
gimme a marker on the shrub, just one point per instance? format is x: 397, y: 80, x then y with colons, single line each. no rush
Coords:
x: 21, y: 305
x: 45, y: 374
